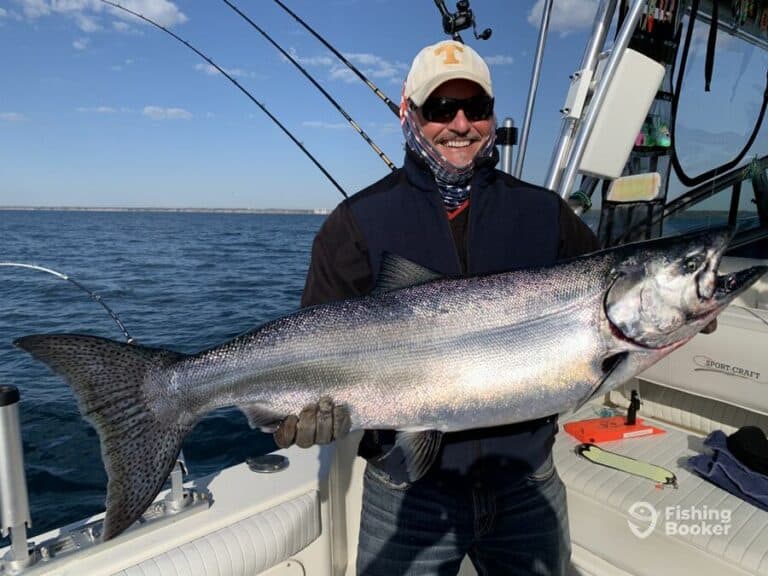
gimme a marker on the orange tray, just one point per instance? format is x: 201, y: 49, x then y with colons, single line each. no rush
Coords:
x: 598, y: 430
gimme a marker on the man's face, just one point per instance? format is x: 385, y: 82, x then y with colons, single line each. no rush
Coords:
x: 459, y: 140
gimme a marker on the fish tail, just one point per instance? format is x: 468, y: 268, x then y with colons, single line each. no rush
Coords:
x: 125, y: 391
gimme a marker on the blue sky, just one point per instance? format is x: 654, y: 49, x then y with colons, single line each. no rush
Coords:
x: 98, y: 109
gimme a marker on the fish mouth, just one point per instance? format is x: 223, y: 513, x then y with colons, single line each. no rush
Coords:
x: 729, y: 286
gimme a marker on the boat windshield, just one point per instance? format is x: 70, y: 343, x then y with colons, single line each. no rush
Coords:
x: 704, y: 133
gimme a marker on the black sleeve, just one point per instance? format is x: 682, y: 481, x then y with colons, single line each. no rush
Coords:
x: 576, y: 238
x: 339, y: 267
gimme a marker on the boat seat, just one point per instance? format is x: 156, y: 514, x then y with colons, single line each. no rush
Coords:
x: 600, y: 498
x: 265, y: 540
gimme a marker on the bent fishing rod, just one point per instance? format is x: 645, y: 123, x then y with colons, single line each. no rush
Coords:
x: 309, y: 77
x: 392, y: 106
x: 239, y: 87
x: 95, y: 297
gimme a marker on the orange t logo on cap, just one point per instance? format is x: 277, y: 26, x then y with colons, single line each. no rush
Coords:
x: 450, y: 53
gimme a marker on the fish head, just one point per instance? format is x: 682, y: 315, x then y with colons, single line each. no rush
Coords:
x: 666, y: 290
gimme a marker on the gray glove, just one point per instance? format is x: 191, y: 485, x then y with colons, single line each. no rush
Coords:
x: 319, y: 423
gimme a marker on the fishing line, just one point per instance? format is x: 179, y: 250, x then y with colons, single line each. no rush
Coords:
x: 238, y: 85
x: 93, y: 295
x: 330, y: 98
x: 751, y: 311
x: 392, y: 106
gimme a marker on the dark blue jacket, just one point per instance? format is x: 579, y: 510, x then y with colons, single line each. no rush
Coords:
x: 509, y: 224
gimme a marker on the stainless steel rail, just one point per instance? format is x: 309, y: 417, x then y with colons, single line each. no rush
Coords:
x: 598, y: 97
x: 14, y: 503
x: 588, y: 66
x: 535, y: 75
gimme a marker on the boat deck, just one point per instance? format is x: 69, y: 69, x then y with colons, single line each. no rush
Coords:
x: 599, y: 500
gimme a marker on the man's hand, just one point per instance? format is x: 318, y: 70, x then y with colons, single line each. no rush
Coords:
x: 319, y: 423
x: 709, y: 328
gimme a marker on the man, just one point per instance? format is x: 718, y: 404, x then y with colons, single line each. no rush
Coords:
x: 493, y: 493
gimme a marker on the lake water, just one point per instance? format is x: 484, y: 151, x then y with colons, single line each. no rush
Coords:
x: 184, y: 281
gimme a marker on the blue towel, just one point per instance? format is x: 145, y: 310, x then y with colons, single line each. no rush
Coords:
x: 724, y: 470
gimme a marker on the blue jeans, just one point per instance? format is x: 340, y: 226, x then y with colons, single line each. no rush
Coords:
x: 426, y: 528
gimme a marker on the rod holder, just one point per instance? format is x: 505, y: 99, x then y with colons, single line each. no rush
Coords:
x: 175, y: 500
x: 14, y: 502
x: 506, y: 138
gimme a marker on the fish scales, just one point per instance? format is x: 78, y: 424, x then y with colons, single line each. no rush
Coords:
x: 439, y: 340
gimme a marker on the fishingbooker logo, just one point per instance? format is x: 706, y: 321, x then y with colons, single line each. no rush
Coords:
x: 706, y: 364
x: 678, y: 520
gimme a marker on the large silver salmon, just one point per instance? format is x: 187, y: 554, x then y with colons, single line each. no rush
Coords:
x: 423, y: 355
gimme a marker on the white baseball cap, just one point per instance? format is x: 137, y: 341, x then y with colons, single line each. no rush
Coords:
x: 438, y: 63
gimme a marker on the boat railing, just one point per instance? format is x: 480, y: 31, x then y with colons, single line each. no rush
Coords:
x: 14, y: 502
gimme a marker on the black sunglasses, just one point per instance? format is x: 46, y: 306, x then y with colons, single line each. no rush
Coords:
x: 443, y: 109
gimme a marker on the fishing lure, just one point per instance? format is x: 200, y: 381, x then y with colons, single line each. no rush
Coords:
x: 597, y: 455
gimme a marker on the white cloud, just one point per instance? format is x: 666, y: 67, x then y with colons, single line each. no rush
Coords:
x: 34, y: 8
x: 163, y: 12
x: 87, y: 24
x: 325, y: 125
x: 567, y: 15
x: 159, y: 113
x: 12, y: 116
x: 3, y: 13
x: 370, y: 65
x: 308, y: 61
x: 499, y: 60
x: 99, y: 110
x: 86, y: 12
x: 212, y: 71
x: 377, y: 67
x: 385, y: 127
x: 119, y: 67
x: 81, y: 43
x: 120, y: 26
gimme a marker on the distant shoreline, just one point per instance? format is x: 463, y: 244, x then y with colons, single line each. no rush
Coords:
x: 297, y: 211
x: 590, y: 216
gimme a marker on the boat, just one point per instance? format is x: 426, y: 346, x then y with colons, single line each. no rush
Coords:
x: 296, y: 511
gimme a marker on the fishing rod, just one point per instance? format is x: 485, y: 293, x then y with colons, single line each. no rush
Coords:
x: 325, y: 93
x: 238, y: 85
x: 392, y: 106
x: 77, y: 284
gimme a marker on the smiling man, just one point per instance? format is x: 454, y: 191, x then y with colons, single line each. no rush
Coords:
x: 493, y: 493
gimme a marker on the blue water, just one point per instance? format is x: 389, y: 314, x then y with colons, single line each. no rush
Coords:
x: 184, y: 281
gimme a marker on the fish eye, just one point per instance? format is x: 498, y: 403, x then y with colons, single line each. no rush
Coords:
x: 692, y: 263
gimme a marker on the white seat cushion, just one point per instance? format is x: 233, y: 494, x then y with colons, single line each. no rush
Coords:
x: 599, y: 500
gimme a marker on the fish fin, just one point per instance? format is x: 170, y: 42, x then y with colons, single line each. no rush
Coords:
x: 397, y: 272
x: 419, y: 450
x: 260, y: 417
x: 611, y: 365
x: 118, y: 386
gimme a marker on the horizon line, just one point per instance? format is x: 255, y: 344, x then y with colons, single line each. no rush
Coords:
x: 318, y: 211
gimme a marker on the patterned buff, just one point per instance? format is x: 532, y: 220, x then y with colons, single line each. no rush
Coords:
x: 452, y: 181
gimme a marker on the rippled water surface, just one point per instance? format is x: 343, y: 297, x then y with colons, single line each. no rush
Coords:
x: 183, y: 281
